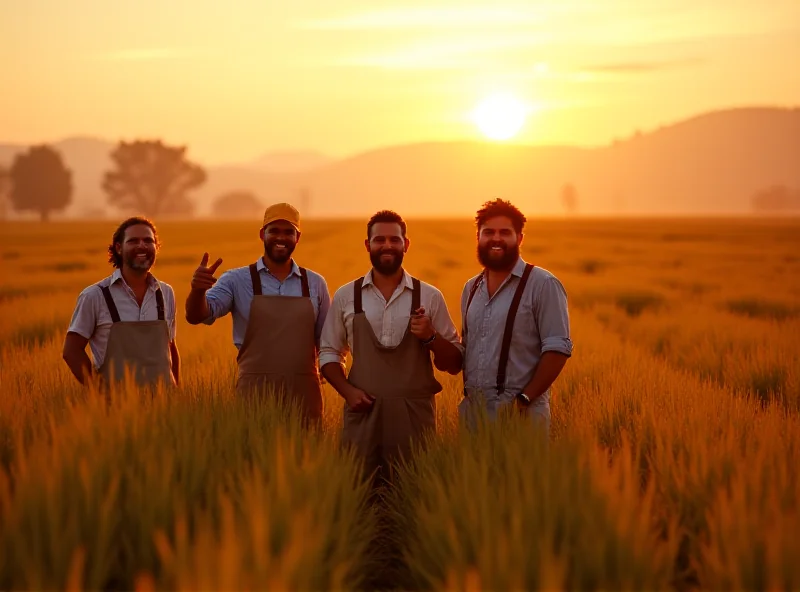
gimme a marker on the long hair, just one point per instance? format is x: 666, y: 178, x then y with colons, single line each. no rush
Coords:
x: 114, y: 258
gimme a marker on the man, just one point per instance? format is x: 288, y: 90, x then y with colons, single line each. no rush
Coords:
x: 515, y: 324
x: 391, y: 323
x: 127, y: 318
x: 278, y: 311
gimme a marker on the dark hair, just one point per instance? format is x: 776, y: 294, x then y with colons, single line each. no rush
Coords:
x: 501, y: 207
x: 119, y: 234
x: 386, y: 216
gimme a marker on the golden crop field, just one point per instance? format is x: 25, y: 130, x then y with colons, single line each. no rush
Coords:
x: 672, y: 462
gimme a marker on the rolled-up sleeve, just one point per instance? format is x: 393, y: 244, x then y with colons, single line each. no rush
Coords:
x: 333, y: 341
x: 220, y: 297
x: 442, y: 322
x: 84, y: 317
x: 173, y: 311
x: 552, y: 318
x: 324, y: 308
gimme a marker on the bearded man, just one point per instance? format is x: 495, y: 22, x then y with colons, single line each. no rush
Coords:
x: 127, y: 318
x: 278, y: 311
x: 392, y: 324
x: 515, y: 327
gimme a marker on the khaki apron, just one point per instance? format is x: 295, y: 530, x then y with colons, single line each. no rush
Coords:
x: 404, y: 386
x: 279, y: 350
x: 140, y: 346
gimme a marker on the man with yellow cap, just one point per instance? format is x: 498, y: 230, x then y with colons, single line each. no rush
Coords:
x: 278, y: 309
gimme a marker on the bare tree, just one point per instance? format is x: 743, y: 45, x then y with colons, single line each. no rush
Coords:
x: 5, y: 189
x: 40, y: 182
x: 152, y: 178
x: 569, y: 198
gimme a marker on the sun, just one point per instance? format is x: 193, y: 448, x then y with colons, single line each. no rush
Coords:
x: 500, y: 116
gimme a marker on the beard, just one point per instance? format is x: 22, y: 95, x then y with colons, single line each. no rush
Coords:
x: 502, y: 262
x: 386, y: 267
x: 140, y: 264
x: 271, y: 250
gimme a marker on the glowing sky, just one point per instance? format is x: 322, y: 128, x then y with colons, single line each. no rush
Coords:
x: 236, y: 78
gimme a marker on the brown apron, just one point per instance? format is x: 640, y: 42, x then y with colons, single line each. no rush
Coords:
x: 140, y: 346
x: 279, y: 351
x: 401, y: 380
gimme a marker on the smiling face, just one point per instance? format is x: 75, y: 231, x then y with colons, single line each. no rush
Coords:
x: 386, y: 246
x: 498, y: 244
x: 280, y: 238
x: 138, y: 248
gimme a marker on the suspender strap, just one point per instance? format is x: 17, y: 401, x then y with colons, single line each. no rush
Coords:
x: 112, y: 308
x: 304, y: 283
x: 512, y: 313
x: 416, y: 296
x: 472, y: 292
x: 255, y: 279
x: 160, y: 304
x: 357, y: 307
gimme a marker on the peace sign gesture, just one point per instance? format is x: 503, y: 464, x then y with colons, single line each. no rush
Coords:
x: 203, y: 277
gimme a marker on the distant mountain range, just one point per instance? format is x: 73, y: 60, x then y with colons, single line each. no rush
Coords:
x: 709, y: 164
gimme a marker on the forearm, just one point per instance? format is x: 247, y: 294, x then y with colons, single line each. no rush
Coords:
x: 334, y: 374
x: 79, y: 364
x: 176, y: 363
x: 197, y: 309
x: 550, y: 366
x: 446, y: 356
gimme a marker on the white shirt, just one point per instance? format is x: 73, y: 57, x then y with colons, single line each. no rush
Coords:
x: 389, y: 320
x: 92, y: 320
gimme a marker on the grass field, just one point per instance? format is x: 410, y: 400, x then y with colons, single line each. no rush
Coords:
x: 673, y: 461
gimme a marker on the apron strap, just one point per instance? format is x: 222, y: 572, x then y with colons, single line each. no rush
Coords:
x: 112, y: 308
x: 160, y: 303
x: 357, y: 307
x: 512, y: 313
x: 255, y: 279
x: 416, y: 296
x: 304, y: 283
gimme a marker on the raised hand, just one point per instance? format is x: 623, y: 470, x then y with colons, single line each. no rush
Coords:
x: 203, y: 277
x: 421, y: 325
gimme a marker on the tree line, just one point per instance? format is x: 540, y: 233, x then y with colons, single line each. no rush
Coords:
x: 147, y: 177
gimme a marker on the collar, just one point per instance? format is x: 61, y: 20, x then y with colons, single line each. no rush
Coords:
x: 519, y: 267
x: 261, y: 267
x: 407, y: 280
x: 152, y: 283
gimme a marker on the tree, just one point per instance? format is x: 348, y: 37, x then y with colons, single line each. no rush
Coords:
x: 238, y: 204
x: 5, y: 189
x: 152, y: 178
x: 40, y: 182
x: 569, y: 198
x: 778, y: 198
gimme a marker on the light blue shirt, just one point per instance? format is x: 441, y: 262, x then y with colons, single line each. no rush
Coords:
x: 233, y: 294
x: 541, y: 325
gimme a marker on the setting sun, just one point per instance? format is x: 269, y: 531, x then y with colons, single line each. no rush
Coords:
x: 500, y: 117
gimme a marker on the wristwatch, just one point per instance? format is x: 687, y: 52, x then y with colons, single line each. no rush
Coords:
x: 430, y: 339
x: 523, y: 398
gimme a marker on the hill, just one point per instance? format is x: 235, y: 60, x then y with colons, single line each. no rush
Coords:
x: 709, y: 164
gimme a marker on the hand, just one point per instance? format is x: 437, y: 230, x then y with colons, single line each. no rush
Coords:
x: 421, y: 325
x: 358, y: 400
x: 203, y: 277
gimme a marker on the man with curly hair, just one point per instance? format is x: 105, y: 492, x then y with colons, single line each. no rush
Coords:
x: 127, y: 318
x: 515, y: 326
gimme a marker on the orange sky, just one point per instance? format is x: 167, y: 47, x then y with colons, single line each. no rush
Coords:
x: 236, y: 78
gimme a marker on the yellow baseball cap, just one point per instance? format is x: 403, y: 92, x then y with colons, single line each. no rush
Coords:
x: 282, y: 211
